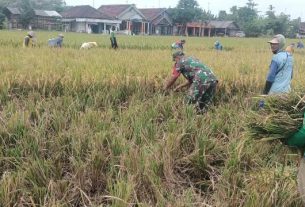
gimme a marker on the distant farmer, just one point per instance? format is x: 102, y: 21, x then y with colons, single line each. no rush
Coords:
x: 217, y: 45
x: 114, y: 43
x: 178, y: 45
x: 281, y: 68
x: 88, y: 45
x: 29, y: 39
x: 290, y: 48
x: 200, y: 80
x: 56, y: 42
x: 300, y: 45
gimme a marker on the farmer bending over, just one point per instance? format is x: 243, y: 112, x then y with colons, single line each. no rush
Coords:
x: 200, y: 80
x: 300, y: 45
x: 29, y: 39
x: 56, y: 42
x: 218, y: 45
x: 178, y: 45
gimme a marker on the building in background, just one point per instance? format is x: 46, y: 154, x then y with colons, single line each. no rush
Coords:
x: 133, y: 21
x: 301, y: 33
x: 46, y: 20
x: 208, y: 28
x: 159, y: 21
x: 88, y: 20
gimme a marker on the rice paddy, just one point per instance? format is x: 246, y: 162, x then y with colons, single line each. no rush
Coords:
x: 94, y: 127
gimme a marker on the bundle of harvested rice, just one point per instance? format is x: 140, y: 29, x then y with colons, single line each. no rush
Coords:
x: 279, y: 118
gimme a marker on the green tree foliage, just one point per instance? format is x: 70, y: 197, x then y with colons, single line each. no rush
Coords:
x: 57, y: 5
x: 293, y: 27
x: 27, y: 12
x: 247, y: 17
x: 222, y: 15
x: 186, y: 11
x: 207, y: 16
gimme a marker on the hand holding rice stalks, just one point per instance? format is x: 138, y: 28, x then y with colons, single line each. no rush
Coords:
x: 280, y: 117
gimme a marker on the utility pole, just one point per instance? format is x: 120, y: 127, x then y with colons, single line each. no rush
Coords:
x: 93, y: 3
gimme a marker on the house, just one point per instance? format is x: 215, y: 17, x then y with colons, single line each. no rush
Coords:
x: 193, y: 29
x: 87, y: 19
x: 208, y: 28
x: 46, y: 20
x: 223, y: 28
x: 302, y: 30
x: 133, y: 21
x: 159, y: 21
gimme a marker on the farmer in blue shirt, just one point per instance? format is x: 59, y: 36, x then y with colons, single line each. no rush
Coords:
x: 56, y: 42
x: 218, y: 45
x: 300, y: 45
x: 281, y: 68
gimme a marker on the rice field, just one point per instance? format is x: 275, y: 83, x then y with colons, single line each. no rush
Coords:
x: 94, y: 127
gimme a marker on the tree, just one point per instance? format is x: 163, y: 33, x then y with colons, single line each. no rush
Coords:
x: 207, y: 16
x: 251, y: 5
x: 234, y: 14
x: 186, y: 11
x: 270, y: 13
x: 293, y: 27
x: 57, y: 5
x: 254, y: 28
x: 222, y: 15
x: 27, y: 13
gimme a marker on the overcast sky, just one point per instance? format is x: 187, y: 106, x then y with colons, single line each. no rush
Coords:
x: 295, y: 8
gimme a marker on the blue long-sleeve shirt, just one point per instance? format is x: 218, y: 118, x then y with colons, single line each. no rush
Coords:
x: 273, y: 70
x: 280, y: 72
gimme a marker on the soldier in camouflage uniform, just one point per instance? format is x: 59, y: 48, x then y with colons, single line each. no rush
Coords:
x: 200, y: 79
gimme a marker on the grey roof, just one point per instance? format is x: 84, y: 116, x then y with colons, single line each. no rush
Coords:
x: 84, y: 11
x: 115, y: 10
x: 44, y: 13
x: 37, y: 12
x: 14, y: 10
x: 152, y: 13
x: 223, y: 24
x: 53, y: 13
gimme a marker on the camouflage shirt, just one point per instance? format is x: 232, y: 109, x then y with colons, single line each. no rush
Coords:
x: 190, y: 67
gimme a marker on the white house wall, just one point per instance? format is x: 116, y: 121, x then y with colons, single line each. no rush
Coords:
x: 81, y: 27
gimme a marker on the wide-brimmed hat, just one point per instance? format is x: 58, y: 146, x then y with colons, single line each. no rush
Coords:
x: 278, y: 39
x: 31, y: 33
x: 60, y: 35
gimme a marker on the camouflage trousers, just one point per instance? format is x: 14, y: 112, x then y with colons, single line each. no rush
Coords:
x: 201, y: 93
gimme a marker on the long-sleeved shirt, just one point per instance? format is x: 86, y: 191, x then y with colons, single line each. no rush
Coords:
x: 280, y: 72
